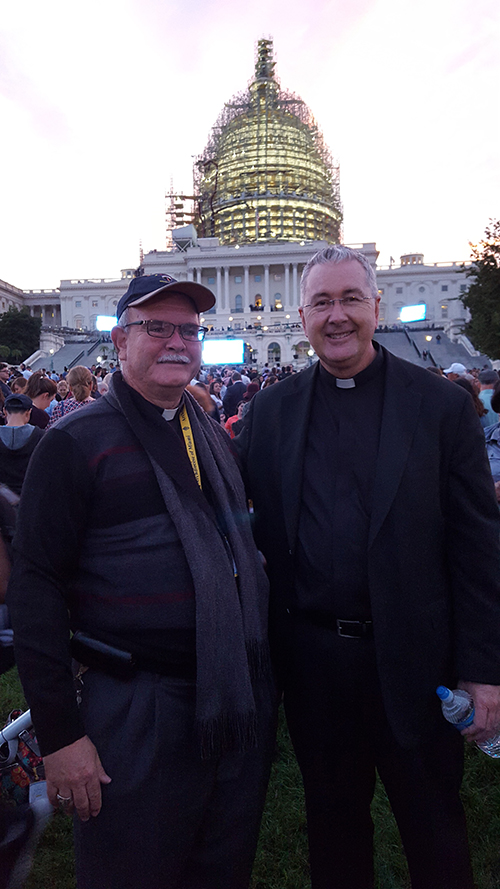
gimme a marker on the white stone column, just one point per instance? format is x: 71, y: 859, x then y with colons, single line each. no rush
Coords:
x: 225, y: 299
x: 295, y: 293
x: 266, y: 287
x: 218, y: 290
x: 287, y: 302
x: 246, y: 291
x: 190, y: 275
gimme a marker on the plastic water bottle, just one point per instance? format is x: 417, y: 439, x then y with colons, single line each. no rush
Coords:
x: 458, y: 708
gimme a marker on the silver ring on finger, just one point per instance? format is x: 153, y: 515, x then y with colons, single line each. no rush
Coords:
x: 64, y: 800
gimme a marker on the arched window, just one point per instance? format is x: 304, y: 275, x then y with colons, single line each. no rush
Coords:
x: 278, y: 305
x: 274, y: 353
x: 238, y: 303
x: 78, y: 322
x: 301, y: 349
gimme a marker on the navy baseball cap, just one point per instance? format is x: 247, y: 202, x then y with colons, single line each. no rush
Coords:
x: 21, y: 402
x: 145, y: 287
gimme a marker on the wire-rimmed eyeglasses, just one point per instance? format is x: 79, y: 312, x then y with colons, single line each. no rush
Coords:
x: 347, y: 302
x: 163, y: 330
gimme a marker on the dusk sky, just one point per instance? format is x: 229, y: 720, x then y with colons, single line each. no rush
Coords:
x: 102, y: 103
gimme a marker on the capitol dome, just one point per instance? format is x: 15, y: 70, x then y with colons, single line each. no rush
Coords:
x: 266, y: 173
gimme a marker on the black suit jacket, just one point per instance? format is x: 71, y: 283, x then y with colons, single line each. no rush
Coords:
x: 433, y: 553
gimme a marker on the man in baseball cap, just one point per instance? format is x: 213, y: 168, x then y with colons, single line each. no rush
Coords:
x: 488, y: 380
x: 18, y: 440
x: 167, y: 759
x: 455, y: 370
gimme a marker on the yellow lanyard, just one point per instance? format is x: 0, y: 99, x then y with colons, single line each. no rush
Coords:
x: 189, y: 442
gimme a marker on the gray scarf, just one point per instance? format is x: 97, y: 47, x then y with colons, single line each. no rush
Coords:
x: 231, y: 613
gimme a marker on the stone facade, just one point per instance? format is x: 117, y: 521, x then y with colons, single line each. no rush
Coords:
x: 257, y: 287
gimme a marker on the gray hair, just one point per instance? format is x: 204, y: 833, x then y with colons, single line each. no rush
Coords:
x: 339, y: 253
x: 123, y: 319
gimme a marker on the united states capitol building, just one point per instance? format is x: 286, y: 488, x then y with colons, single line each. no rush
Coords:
x: 266, y: 197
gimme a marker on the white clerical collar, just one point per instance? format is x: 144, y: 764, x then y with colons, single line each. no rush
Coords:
x: 169, y: 414
x: 345, y: 384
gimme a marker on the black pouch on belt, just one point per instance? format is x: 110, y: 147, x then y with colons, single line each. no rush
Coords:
x: 100, y: 656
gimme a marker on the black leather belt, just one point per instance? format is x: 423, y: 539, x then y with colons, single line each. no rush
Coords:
x: 122, y: 664
x: 348, y: 629
x: 176, y: 671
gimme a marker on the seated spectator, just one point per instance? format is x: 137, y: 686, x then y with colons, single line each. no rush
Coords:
x: 234, y: 394
x: 215, y: 390
x: 105, y: 382
x: 492, y: 435
x: 18, y: 385
x: 252, y: 390
x: 95, y: 394
x: 4, y: 377
x: 18, y: 440
x: 63, y: 391
x: 455, y: 370
x: 42, y: 390
x: 488, y: 379
x: 237, y: 426
x: 270, y: 380
x: 228, y: 425
x: 80, y: 381
x: 478, y: 404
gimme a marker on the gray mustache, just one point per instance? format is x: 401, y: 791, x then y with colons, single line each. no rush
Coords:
x: 172, y: 358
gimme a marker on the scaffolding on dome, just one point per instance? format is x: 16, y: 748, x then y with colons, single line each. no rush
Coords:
x: 266, y: 172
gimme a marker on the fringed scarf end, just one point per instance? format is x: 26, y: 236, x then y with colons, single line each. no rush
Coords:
x: 227, y: 733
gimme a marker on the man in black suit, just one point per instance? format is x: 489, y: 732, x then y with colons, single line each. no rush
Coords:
x: 374, y: 507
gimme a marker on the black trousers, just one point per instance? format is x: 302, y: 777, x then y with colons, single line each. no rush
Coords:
x: 341, y: 737
x: 169, y: 820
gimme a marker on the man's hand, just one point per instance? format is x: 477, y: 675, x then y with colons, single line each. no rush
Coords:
x: 75, y: 773
x: 486, y: 711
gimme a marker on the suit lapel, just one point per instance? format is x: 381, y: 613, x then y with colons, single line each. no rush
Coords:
x: 399, y: 422
x: 295, y: 413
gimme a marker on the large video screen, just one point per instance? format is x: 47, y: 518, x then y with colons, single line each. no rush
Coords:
x: 105, y: 322
x: 413, y: 313
x: 223, y: 352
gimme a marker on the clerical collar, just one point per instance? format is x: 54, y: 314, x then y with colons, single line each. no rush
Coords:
x: 364, y: 376
x: 169, y: 414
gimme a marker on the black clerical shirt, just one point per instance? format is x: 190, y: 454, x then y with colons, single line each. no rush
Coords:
x: 339, y: 470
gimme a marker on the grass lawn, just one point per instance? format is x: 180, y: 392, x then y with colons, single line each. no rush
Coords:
x: 282, y: 855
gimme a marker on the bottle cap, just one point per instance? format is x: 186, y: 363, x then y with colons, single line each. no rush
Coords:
x: 443, y: 693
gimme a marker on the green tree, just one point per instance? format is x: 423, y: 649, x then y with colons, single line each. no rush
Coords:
x: 483, y: 296
x: 19, y: 332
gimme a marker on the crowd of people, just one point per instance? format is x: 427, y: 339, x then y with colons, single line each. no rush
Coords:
x: 224, y: 393
x: 222, y: 539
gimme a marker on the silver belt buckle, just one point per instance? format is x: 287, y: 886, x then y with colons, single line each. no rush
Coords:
x: 343, y: 628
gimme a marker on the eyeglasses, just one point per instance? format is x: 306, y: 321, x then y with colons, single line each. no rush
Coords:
x: 163, y: 330
x: 347, y: 302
